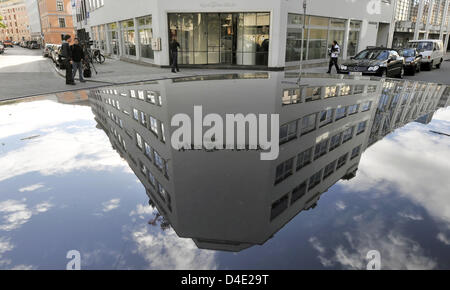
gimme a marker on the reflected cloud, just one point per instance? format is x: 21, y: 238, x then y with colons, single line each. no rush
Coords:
x: 413, y: 162
x: 340, y: 205
x: 31, y: 187
x: 61, y: 152
x: 16, y: 213
x: 111, y: 204
x: 443, y: 238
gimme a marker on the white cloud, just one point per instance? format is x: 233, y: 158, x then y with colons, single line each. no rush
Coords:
x: 16, y: 213
x: 443, y: 238
x: 411, y: 216
x: 340, y: 205
x: 31, y: 187
x: 111, y: 204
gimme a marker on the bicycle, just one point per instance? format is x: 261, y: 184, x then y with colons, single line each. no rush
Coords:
x: 96, y: 55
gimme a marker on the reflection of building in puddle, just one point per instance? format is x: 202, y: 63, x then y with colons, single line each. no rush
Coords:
x: 231, y: 200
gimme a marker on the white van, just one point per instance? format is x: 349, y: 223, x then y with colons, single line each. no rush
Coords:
x: 432, y: 51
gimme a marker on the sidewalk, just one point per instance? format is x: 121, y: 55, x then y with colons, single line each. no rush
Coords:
x: 120, y: 72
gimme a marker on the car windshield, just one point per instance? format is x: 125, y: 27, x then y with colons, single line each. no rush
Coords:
x: 372, y: 54
x: 422, y: 46
x: 408, y: 52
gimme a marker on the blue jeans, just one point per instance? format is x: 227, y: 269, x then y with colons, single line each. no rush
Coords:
x: 77, y: 66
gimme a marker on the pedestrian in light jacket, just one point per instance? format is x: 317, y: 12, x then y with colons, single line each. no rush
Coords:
x: 334, y: 53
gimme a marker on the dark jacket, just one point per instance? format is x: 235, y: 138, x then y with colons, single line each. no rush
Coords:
x: 174, y: 45
x: 77, y: 53
x: 66, y: 52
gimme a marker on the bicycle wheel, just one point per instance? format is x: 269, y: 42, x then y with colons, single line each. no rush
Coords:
x: 100, y: 58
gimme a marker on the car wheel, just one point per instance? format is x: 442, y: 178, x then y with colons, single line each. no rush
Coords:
x: 418, y: 67
x: 413, y: 71
x: 383, y: 73
x: 438, y: 66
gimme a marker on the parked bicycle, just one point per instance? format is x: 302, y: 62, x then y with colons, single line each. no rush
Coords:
x: 95, y: 55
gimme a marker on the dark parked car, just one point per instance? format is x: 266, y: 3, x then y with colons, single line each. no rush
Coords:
x: 412, y: 60
x: 33, y: 45
x: 2, y: 48
x: 376, y: 61
x: 8, y: 43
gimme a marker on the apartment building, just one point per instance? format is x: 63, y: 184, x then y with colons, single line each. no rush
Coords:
x: 231, y: 200
x: 16, y: 20
x: 421, y: 19
x: 56, y: 19
x: 253, y: 33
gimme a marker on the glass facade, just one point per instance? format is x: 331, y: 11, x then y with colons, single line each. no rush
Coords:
x: 128, y: 37
x: 319, y: 32
x: 113, y: 39
x: 221, y: 38
x: 145, y: 37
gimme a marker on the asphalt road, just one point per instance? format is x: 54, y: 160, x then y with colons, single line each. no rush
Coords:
x: 24, y: 72
x: 441, y: 75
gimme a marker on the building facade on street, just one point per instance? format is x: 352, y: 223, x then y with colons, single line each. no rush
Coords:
x: 252, y: 33
x: 56, y: 19
x: 421, y: 19
x: 34, y: 20
x: 15, y: 18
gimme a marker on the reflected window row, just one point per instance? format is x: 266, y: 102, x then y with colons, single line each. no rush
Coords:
x: 300, y: 191
x: 150, y: 122
x: 156, y: 186
x: 304, y: 95
x: 152, y: 155
x: 322, y: 148
x: 310, y: 123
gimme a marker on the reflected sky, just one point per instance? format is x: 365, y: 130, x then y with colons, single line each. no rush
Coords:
x: 64, y: 187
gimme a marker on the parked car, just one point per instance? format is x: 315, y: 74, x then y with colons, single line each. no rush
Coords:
x: 33, y: 45
x: 377, y: 61
x: 2, y: 48
x: 54, y: 53
x: 432, y: 52
x: 8, y: 43
x: 412, y: 60
x: 47, y: 50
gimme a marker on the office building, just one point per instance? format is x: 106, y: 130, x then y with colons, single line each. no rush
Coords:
x: 16, y: 20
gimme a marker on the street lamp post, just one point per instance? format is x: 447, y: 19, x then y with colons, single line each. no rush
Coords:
x: 302, y: 45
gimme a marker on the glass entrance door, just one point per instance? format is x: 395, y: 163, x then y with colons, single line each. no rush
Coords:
x: 228, y: 38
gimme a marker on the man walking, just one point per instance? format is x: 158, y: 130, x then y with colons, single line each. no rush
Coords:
x: 66, y: 58
x: 174, y: 45
x: 334, y: 53
x: 77, y: 58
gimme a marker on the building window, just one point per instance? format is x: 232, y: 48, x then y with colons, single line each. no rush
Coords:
x: 330, y: 92
x: 284, y: 170
x: 279, y: 206
x: 321, y: 149
x: 59, y: 5
x: 143, y: 119
x: 154, y: 125
x: 138, y: 140
x: 152, y: 179
x: 136, y: 114
x: 148, y: 150
x: 129, y: 37
x: 315, y: 180
x: 361, y: 127
x: 145, y: 37
x: 299, y: 192
x: 341, y: 113
x: 62, y: 22
x: 308, y: 124
x: 348, y: 134
x: 335, y: 141
x: 329, y: 169
x: 288, y: 132
x: 326, y: 117
x: 353, y: 109
x: 366, y: 106
x: 341, y: 161
x: 355, y: 152
x: 159, y: 162
x: 304, y: 158
x: 151, y: 97
x: 313, y: 94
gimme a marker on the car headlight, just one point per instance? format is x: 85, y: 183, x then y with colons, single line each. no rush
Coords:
x: 343, y: 67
